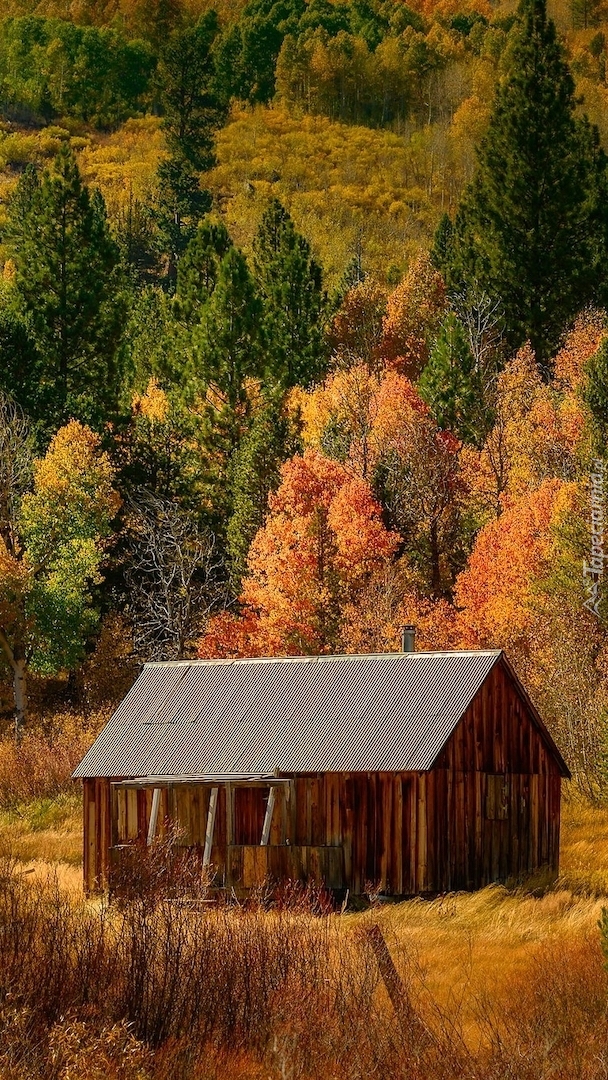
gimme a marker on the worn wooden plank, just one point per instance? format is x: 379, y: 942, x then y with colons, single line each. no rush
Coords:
x: 119, y: 798
x: 210, y: 826
x: 229, y: 792
x: 421, y: 839
x: 131, y: 815
x: 95, y: 852
x: 292, y: 813
x: 317, y: 825
x: 397, y: 846
x: 413, y: 832
x: 153, y: 817
x: 88, y: 821
x: 268, y: 818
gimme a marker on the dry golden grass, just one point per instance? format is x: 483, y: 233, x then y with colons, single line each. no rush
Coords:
x: 584, y: 848
x: 469, y: 947
x: 510, y: 982
x: 41, y: 766
x: 45, y: 836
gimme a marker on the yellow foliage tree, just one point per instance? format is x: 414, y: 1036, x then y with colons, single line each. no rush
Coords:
x: 51, y: 549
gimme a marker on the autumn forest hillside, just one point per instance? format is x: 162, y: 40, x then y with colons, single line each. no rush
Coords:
x: 302, y: 338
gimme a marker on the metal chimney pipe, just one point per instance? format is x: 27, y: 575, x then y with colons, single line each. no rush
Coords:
x: 408, y: 639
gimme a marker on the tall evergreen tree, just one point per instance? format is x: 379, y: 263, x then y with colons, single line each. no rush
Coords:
x: 182, y: 202
x: 586, y: 13
x: 291, y: 283
x: 254, y: 473
x: 193, y: 110
x: 229, y: 338
x: 22, y: 366
x: 525, y: 230
x: 70, y: 288
x: 450, y: 384
x: 199, y: 267
x: 192, y: 106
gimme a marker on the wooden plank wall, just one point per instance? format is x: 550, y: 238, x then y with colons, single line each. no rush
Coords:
x: 96, y: 833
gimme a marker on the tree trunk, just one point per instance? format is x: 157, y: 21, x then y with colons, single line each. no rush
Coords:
x: 15, y: 654
x: 20, y: 695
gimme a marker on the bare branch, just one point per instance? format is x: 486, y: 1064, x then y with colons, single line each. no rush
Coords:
x: 481, y: 317
x: 16, y: 458
x: 173, y: 577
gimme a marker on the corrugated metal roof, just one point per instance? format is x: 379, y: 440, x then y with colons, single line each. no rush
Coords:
x: 388, y: 712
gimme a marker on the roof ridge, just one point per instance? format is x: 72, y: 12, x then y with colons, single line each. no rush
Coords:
x: 323, y: 657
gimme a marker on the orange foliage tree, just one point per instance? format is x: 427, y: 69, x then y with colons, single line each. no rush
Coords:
x: 414, y: 311
x: 382, y: 428
x: 539, y: 429
x: 523, y: 590
x: 496, y: 591
x: 392, y: 600
x: 356, y: 330
x: 322, y: 542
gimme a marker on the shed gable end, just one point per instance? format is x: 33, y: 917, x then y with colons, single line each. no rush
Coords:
x: 500, y: 733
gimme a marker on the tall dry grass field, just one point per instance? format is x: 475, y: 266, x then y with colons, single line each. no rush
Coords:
x: 492, y: 985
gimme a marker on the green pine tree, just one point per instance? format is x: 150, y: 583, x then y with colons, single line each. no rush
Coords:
x: 22, y: 366
x: 193, y: 109
x: 254, y: 473
x: 229, y: 339
x: 70, y: 289
x: 181, y: 205
x: 586, y: 13
x: 442, y: 252
x: 291, y: 283
x: 155, y: 344
x: 199, y: 267
x: 450, y: 384
x: 526, y: 230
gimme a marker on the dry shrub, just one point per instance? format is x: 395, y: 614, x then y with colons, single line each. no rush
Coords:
x: 165, y: 870
x: 42, y: 764
x: 77, y: 1051
x: 296, y: 991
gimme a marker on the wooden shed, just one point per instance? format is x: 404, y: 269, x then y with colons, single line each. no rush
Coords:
x: 403, y: 772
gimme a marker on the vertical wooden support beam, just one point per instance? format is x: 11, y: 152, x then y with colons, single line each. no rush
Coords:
x: 153, y: 816
x: 229, y: 796
x: 210, y: 826
x: 229, y: 815
x: 113, y: 816
x: 283, y: 797
x: 268, y: 818
x: 291, y: 817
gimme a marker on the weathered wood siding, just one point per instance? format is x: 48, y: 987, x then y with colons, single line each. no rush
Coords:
x: 488, y: 811
x: 96, y: 833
